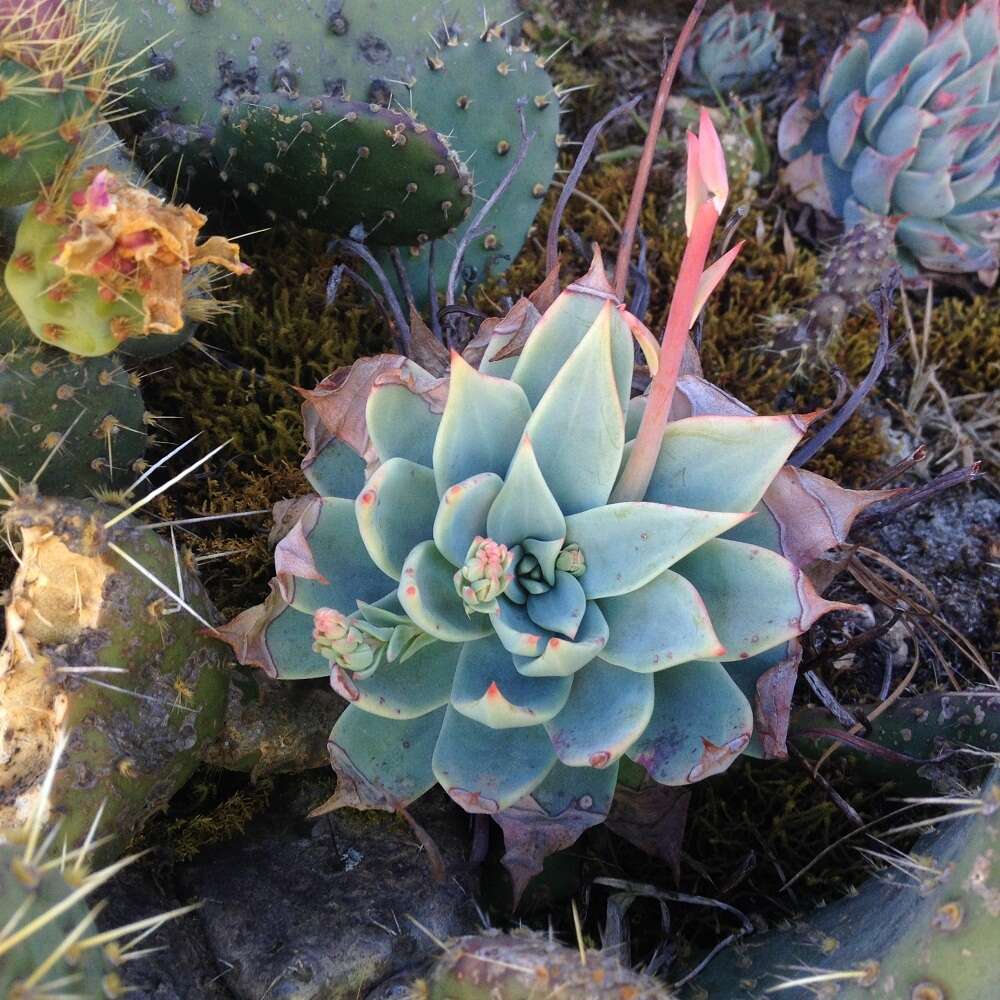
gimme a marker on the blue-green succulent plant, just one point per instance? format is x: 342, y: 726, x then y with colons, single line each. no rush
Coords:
x: 731, y: 52
x: 501, y: 627
x: 905, y: 127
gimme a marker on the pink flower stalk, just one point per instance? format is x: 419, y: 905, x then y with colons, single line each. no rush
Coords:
x: 707, y: 191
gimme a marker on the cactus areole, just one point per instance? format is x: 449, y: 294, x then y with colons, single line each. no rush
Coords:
x: 499, y: 621
x: 904, y: 127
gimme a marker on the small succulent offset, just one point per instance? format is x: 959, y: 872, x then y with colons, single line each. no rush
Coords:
x: 731, y: 52
x: 537, y: 575
x: 904, y: 129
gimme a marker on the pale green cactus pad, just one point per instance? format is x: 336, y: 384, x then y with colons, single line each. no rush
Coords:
x: 501, y: 629
x: 731, y: 51
x: 905, y: 127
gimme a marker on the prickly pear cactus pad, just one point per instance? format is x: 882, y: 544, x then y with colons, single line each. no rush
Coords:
x: 526, y: 966
x: 96, y: 648
x: 497, y: 625
x: 344, y: 114
x: 82, y: 418
x: 48, y: 941
x: 104, y: 260
x: 730, y: 52
x: 904, y: 130
x: 931, y: 935
x: 54, y: 76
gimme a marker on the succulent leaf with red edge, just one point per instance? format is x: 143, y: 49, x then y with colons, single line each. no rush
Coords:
x: 905, y: 127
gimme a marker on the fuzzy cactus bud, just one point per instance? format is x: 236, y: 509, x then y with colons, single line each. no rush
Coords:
x: 572, y: 560
x: 485, y: 574
x: 338, y: 639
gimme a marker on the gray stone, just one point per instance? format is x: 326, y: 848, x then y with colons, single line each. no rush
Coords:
x: 320, y: 910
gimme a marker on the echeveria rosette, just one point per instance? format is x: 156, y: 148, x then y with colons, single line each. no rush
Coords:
x: 905, y: 126
x: 731, y: 51
x: 606, y: 628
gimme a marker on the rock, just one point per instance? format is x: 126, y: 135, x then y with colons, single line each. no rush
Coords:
x: 319, y: 910
x: 949, y: 542
x: 185, y: 968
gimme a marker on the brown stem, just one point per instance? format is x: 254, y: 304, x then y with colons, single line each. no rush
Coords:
x: 649, y: 151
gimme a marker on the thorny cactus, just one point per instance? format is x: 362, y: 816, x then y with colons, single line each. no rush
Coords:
x: 507, y: 606
x: 904, y: 131
x: 100, y: 261
x: 529, y: 966
x: 95, y: 648
x: 925, y: 929
x: 336, y: 115
x: 49, y: 946
x: 731, y: 52
x: 82, y: 419
x: 54, y: 77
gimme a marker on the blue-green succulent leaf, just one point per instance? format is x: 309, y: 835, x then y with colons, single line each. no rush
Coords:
x: 563, y: 326
x: 661, y: 624
x: 607, y: 711
x: 401, y: 423
x: 404, y: 690
x: 560, y: 608
x: 693, y: 734
x: 323, y: 562
x: 625, y: 545
x: 395, y: 511
x: 525, y: 506
x: 336, y: 471
x: 755, y: 597
x: 722, y: 463
x: 461, y: 515
x: 518, y: 633
x: 559, y: 657
x: 905, y: 40
x: 383, y: 763
x: 546, y: 553
x: 488, y: 689
x: 481, y: 427
x: 427, y: 594
x: 578, y: 427
x: 486, y: 770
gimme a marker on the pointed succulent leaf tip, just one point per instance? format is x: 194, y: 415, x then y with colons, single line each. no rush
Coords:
x: 659, y: 625
x: 691, y: 737
x: 565, y: 323
x: 581, y: 405
x: 338, y: 639
x: 710, y: 279
x: 568, y: 801
x: 485, y: 574
x: 427, y: 594
x: 462, y: 513
x: 323, y: 562
x: 560, y: 608
x: 381, y: 763
x: 525, y: 506
x: 755, y: 597
x: 488, y: 689
x: 698, y: 456
x: 395, y: 510
x: 485, y: 770
x: 481, y: 427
